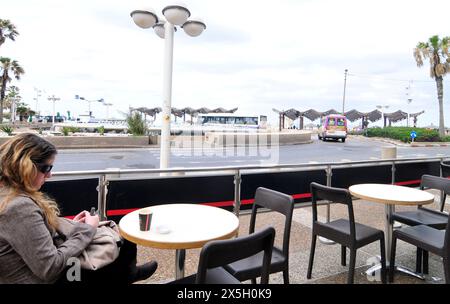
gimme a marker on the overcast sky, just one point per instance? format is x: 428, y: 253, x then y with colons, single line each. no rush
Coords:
x: 255, y: 55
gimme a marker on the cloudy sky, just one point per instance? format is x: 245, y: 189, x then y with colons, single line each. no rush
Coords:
x: 255, y: 55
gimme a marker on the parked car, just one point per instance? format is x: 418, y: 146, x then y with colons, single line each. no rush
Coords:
x: 49, y: 118
x: 333, y: 126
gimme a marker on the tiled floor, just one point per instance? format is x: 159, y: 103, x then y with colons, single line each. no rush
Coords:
x: 327, y: 268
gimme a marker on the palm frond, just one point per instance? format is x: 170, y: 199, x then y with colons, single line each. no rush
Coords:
x: 432, y: 74
x: 440, y: 69
x: 434, y: 41
x: 418, y: 57
x: 7, y: 30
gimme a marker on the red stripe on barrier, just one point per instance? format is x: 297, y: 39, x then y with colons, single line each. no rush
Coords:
x: 119, y: 212
x: 303, y: 195
x: 411, y: 182
x: 228, y: 203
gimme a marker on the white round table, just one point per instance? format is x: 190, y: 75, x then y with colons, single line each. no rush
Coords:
x: 180, y: 227
x: 391, y: 195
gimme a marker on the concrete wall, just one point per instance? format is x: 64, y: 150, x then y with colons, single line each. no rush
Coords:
x: 260, y: 138
x: 94, y: 141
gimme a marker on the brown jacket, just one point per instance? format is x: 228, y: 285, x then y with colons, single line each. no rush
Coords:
x: 27, y: 251
x: 101, y: 251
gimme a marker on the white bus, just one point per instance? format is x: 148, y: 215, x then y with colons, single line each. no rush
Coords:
x: 228, y: 120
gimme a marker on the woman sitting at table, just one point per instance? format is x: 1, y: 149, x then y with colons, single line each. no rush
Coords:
x: 29, y: 224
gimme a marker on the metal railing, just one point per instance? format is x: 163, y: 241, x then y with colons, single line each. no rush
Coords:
x: 104, y: 176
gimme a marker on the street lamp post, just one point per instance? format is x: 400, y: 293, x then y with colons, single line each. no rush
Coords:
x: 408, y: 100
x: 176, y: 15
x: 53, y: 98
x: 38, y: 94
x: 107, y: 108
x: 343, y: 98
x: 13, y: 109
x: 380, y: 107
x: 89, y: 102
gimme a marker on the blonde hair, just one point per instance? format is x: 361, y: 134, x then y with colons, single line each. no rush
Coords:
x: 19, y: 157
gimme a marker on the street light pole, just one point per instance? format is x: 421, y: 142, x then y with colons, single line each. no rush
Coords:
x: 13, y: 109
x: 38, y: 94
x: 345, y: 85
x: 408, y: 100
x: 167, y: 95
x: 107, y: 108
x: 382, y: 113
x: 176, y: 15
x: 53, y: 98
x: 89, y: 102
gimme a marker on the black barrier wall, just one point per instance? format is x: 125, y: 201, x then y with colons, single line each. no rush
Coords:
x: 126, y: 195
x: 73, y: 196
x: 410, y: 174
x: 293, y: 183
x: 345, y: 177
x: 131, y: 194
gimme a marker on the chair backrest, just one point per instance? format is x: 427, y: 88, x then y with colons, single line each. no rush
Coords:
x: 335, y: 195
x: 447, y: 238
x: 222, y: 252
x: 438, y: 183
x: 275, y: 201
x: 445, y: 169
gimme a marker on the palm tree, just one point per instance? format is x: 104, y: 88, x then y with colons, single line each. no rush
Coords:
x: 7, y: 66
x: 7, y: 30
x: 436, y: 50
x: 12, y: 94
x: 12, y: 98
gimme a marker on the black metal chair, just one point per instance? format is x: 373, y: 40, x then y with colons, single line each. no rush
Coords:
x: 427, y: 239
x: 348, y: 233
x: 216, y: 254
x: 445, y: 169
x: 426, y: 216
x: 249, y: 268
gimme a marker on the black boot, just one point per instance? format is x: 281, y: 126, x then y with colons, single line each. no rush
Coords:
x: 142, y: 272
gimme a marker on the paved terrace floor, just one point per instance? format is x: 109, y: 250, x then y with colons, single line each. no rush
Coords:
x: 327, y: 268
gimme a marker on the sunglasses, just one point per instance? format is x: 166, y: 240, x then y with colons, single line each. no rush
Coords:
x: 44, y: 168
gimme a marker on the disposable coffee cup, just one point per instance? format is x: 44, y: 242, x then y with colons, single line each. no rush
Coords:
x: 145, y: 220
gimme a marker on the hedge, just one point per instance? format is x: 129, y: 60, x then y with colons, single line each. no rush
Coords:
x: 403, y: 134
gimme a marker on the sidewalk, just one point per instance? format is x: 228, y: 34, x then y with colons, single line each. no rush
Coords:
x: 402, y: 144
x: 327, y: 267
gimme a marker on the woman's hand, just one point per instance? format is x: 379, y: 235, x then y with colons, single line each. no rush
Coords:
x: 92, y: 220
x: 80, y: 217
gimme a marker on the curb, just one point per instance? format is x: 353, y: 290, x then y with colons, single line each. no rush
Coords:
x: 104, y: 147
x: 430, y: 145
x: 401, y: 144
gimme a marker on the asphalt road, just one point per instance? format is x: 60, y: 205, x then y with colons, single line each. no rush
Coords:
x: 318, y: 151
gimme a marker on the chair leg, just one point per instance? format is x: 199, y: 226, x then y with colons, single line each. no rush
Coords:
x: 447, y: 270
x: 343, y: 255
x: 392, y: 259
x: 286, y: 276
x: 253, y: 281
x: 419, y: 260
x: 311, y: 256
x: 383, y: 260
x: 425, y: 261
x: 351, y: 266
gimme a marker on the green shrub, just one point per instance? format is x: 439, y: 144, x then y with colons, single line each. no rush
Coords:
x: 446, y: 138
x: 7, y: 129
x: 136, y: 125
x: 403, y: 133
x: 67, y: 130
x: 101, y: 130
